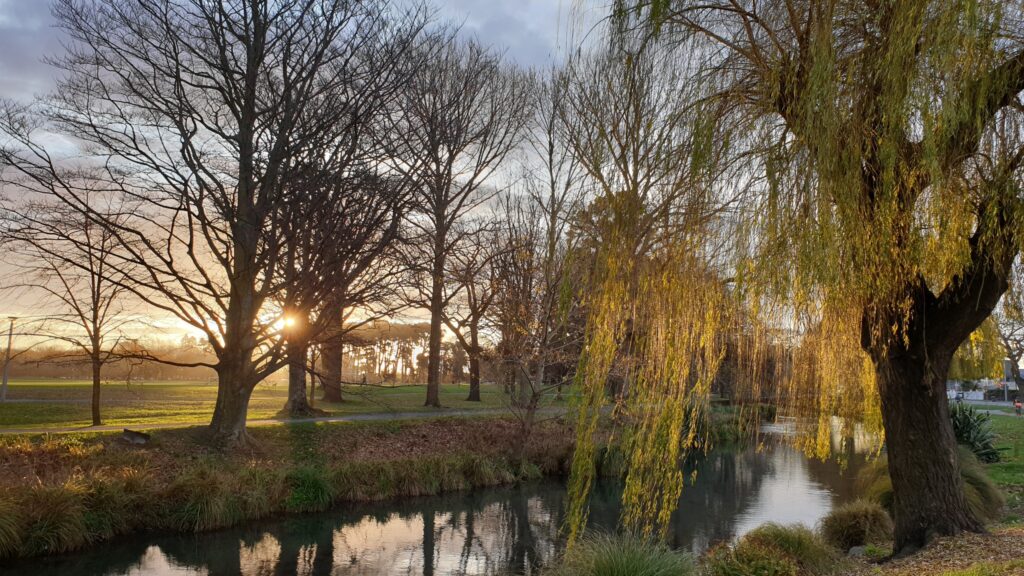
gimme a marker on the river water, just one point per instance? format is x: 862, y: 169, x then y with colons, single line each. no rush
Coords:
x: 487, y: 532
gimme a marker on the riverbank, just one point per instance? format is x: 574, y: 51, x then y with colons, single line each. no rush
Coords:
x: 61, y: 493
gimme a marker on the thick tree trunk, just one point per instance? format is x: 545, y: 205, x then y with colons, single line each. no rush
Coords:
x: 97, y: 366
x: 434, y: 346
x: 928, y: 492
x: 298, y: 402
x: 911, y: 370
x: 331, y: 359
x: 234, y: 389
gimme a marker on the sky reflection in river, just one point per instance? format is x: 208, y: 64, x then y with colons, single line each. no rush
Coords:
x: 497, y: 531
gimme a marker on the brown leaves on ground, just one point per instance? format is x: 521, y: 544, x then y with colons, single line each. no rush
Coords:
x: 53, y: 459
x: 957, y: 553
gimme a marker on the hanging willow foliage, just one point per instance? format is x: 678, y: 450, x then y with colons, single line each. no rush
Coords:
x: 876, y: 147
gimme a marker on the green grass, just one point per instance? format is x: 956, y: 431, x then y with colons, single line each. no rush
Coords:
x: 192, y: 402
x: 1009, y: 471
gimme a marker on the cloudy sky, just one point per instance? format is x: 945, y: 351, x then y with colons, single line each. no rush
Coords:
x: 531, y: 32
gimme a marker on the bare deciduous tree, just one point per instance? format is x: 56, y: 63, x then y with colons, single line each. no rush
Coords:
x: 68, y: 259
x: 196, y: 113
x: 462, y: 116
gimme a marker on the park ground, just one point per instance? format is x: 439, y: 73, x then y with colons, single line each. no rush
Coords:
x: 316, y: 464
x: 64, y: 404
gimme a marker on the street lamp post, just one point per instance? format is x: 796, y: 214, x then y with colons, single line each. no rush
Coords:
x: 7, y: 358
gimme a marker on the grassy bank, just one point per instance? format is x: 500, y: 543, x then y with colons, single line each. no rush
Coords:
x: 61, y: 493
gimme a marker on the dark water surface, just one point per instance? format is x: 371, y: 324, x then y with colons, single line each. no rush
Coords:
x: 494, y: 531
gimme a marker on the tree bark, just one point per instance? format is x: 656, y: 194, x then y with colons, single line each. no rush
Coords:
x: 436, y: 310
x: 474, y: 365
x: 474, y: 378
x: 330, y: 355
x: 911, y: 371
x: 928, y: 492
x: 97, y: 366
x: 229, y: 414
x: 298, y: 402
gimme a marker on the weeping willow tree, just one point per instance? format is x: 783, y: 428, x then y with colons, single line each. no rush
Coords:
x: 878, y: 147
x: 654, y: 298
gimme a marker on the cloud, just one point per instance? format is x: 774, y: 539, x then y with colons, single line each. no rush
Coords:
x: 27, y: 35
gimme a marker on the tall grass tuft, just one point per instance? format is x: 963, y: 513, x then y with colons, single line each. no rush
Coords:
x: 310, y: 490
x: 200, y: 499
x: 983, y: 496
x: 856, y: 523
x: 261, y: 491
x: 608, y: 555
x: 10, y: 527
x: 115, y: 502
x: 54, y: 519
x: 774, y: 550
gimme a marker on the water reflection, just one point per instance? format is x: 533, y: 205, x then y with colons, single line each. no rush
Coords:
x: 498, y: 531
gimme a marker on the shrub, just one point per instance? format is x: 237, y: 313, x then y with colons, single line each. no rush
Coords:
x: 310, y: 490
x: 54, y: 520
x: 983, y: 497
x: 974, y: 430
x: 774, y: 550
x: 856, y: 523
x: 609, y: 555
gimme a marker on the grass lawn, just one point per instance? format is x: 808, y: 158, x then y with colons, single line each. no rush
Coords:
x: 65, y: 403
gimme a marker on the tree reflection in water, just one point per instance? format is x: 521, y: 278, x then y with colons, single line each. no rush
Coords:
x: 495, y: 531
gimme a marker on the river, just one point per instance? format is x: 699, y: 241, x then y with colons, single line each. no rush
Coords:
x: 512, y: 530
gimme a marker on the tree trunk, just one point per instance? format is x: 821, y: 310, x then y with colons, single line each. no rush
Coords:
x: 434, y: 347
x: 298, y: 402
x: 97, y: 366
x: 474, y: 378
x: 928, y: 492
x: 233, y: 392
x: 331, y: 358
x: 474, y: 365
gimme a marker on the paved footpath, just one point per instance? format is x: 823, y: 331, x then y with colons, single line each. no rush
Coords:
x: 374, y: 417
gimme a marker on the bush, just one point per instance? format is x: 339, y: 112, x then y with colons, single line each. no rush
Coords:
x: 974, y: 430
x: 622, y: 556
x: 857, y: 523
x: 983, y: 497
x: 774, y: 550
